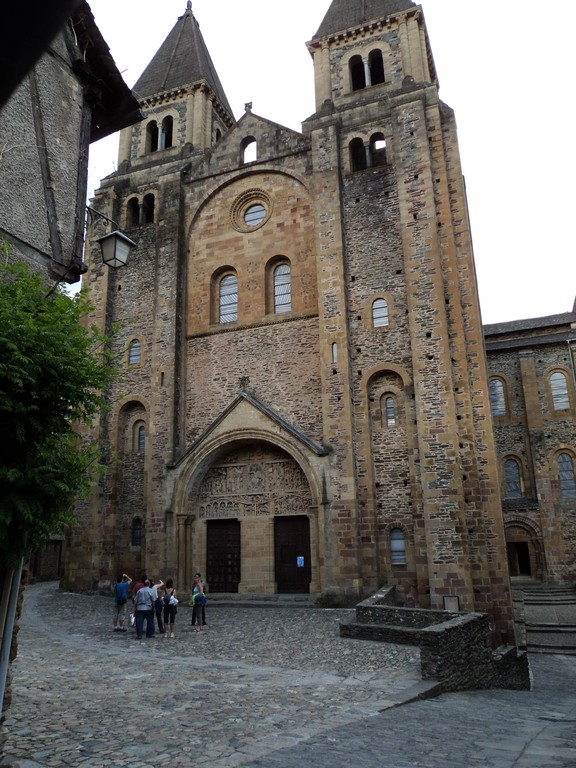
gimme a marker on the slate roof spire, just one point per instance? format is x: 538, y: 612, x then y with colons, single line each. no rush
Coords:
x: 344, y: 14
x: 181, y: 60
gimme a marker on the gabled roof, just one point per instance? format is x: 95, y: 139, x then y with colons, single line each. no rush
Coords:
x: 344, y: 14
x: 181, y: 60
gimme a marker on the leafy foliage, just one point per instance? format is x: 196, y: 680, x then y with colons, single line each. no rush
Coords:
x: 52, y: 373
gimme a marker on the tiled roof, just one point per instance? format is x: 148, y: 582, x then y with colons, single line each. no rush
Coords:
x: 182, y: 59
x: 344, y: 14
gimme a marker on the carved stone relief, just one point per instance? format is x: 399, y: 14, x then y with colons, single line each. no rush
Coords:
x: 253, y: 482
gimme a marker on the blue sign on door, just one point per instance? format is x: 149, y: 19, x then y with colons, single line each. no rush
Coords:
x: 300, y: 561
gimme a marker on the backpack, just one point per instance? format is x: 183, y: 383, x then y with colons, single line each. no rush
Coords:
x: 166, y: 599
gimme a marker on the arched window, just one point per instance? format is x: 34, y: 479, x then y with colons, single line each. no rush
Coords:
x: 357, y: 155
x: 376, y: 67
x: 566, y: 476
x: 380, y: 313
x: 388, y: 408
x: 228, y: 299
x: 132, y: 213
x: 378, y: 149
x: 249, y: 149
x: 134, y: 352
x: 139, y: 441
x: 334, y: 353
x: 357, y: 73
x: 497, y: 397
x: 282, y: 289
x: 166, y: 133
x: 137, y: 532
x: 559, y: 390
x: 152, y: 137
x: 217, y: 135
x: 148, y: 209
x: 513, y: 479
x: 397, y: 546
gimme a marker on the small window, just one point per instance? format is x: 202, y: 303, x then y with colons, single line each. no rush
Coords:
x: 147, y: 215
x: 357, y: 73
x: 334, y: 353
x: 134, y: 352
x: 152, y: 137
x: 513, y: 479
x: 357, y: 155
x: 228, y: 299
x: 376, y: 67
x: 497, y: 397
x: 141, y: 439
x: 166, y: 133
x: 380, y: 313
x: 132, y: 213
x: 397, y: 546
x: 566, y: 476
x: 254, y: 215
x: 388, y: 411
x: 282, y: 289
x: 378, y: 149
x: 249, y: 150
x: 559, y: 389
x: 137, y: 532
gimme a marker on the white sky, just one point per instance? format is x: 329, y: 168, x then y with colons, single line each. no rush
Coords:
x: 507, y: 69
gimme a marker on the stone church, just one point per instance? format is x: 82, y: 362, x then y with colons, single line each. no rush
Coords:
x: 303, y: 405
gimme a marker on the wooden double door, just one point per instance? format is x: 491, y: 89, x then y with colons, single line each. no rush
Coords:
x: 292, y: 566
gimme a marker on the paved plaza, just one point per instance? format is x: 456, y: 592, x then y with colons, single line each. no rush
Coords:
x: 268, y: 686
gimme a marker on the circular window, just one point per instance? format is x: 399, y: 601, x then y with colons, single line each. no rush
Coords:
x: 254, y: 215
x: 251, y: 210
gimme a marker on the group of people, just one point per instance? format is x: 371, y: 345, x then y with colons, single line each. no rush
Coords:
x: 155, y: 599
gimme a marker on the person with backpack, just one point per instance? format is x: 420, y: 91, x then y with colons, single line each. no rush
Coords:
x: 198, y: 601
x: 120, y: 599
x: 170, y: 608
x: 144, y: 606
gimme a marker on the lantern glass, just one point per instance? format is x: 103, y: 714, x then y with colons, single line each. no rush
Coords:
x: 116, y: 248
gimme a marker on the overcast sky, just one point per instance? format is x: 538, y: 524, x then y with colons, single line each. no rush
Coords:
x: 507, y: 69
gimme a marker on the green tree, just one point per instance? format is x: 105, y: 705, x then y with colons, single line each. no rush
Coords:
x: 53, y: 371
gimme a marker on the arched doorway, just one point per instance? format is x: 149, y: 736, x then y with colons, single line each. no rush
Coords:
x: 251, y: 522
x: 524, y: 552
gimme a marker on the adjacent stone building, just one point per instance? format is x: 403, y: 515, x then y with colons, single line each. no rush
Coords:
x: 532, y: 391
x: 304, y: 402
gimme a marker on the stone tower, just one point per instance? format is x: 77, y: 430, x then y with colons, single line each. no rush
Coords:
x: 304, y: 403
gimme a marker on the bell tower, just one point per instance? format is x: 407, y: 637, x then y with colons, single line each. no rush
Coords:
x: 400, y: 302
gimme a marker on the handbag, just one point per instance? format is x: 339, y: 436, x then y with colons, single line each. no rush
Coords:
x: 132, y: 619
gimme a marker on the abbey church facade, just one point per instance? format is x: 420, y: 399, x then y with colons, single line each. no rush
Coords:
x: 304, y: 401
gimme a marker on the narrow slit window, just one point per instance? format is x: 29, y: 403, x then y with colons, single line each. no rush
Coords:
x: 141, y: 439
x: 134, y: 352
x: 513, y: 479
x: 137, y: 532
x: 559, y: 389
x: 334, y: 353
x: 228, y: 299
x: 282, y: 289
x: 397, y: 546
x: 380, y: 313
x: 497, y: 397
x: 566, y: 476
x: 388, y: 411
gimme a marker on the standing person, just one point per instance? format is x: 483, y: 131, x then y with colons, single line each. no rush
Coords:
x: 120, y: 599
x: 144, y: 605
x: 158, y: 607
x: 198, y: 601
x: 135, y: 589
x: 170, y: 608
x: 197, y: 575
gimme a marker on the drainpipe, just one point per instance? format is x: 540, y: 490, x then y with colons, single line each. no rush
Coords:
x: 14, y: 578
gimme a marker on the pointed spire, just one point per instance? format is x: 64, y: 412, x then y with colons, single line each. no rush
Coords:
x: 344, y: 14
x: 182, y: 59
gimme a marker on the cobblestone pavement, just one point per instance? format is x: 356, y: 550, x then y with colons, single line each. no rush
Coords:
x: 261, y: 686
